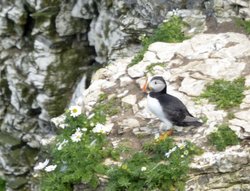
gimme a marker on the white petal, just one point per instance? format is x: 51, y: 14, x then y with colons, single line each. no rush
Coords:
x: 50, y: 168
x: 41, y: 165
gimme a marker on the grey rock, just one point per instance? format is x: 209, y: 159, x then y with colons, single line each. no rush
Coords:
x: 68, y: 25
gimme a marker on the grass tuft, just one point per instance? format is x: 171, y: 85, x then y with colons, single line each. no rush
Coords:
x: 150, y: 68
x: 223, y: 137
x: 225, y: 94
x: 153, y: 169
x: 2, y: 184
x: 244, y: 24
x: 170, y: 31
x: 160, y: 165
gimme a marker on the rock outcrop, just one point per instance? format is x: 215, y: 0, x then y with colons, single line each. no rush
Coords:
x: 187, y: 67
x: 47, y: 46
x: 43, y: 52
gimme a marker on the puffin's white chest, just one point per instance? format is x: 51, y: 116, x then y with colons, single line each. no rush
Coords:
x: 155, y: 107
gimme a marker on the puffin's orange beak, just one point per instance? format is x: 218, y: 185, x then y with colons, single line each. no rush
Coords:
x: 144, y: 88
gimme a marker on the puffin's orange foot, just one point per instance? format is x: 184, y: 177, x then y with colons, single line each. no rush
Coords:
x: 166, y: 134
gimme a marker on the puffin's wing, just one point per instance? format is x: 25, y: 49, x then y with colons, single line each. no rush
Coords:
x: 173, y: 108
x: 177, y: 112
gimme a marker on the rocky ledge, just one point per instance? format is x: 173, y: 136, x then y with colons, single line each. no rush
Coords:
x: 187, y: 67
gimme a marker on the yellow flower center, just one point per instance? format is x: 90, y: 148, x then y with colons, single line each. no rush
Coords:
x: 74, y: 110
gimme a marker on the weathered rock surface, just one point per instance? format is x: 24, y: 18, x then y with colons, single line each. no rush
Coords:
x: 45, y: 49
x: 187, y: 67
x: 42, y: 50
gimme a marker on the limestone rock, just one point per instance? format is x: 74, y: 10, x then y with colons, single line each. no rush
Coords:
x: 230, y: 160
x: 128, y: 124
x: 68, y: 25
x: 130, y: 99
x: 192, y: 87
x: 226, y: 167
x: 241, y: 124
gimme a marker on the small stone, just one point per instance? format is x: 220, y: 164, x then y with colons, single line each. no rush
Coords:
x: 164, y: 51
x: 110, y: 162
x: 135, y: 108
x: 32, y: 140
x: 192, y: 87
x: 125, y: 80
x: 123, y: 94
x: 128, y: 124
x: 143, y: 103
x: 244, y: 115
x: 244, y: 125
x: 58, y: 120
x: 130, y: 99
x: 142, y: 131
x: 228, y: 161
x: 237, y: 130
x: 137, y: 70
x: 247, y: 82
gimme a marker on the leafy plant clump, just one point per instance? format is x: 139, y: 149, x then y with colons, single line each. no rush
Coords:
x: 150, y: 68
x: 170, y: 31
x: 223, y: 137
x: 107, y: 107
x: 79, y: 151
x: 160, y: 165
x: 245, y: 24
x: 2, y: 184
x: 225, y: 94
x: 78, y: 154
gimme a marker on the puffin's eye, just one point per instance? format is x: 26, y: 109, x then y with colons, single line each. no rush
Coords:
x: 155, y: 82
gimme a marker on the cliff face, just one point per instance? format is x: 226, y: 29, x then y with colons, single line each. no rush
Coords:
x: 47, y: 46
x: 44, y: 52
x: 188, y: 68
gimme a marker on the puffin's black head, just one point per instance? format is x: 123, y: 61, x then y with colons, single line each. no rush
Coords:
x: 156, y: 84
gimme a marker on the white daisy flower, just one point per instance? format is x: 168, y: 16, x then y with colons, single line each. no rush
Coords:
x: 170, y: 152
x: 99, y: 128
x: 60, y: 145
x: 157, y: 136
x: 84, y: 129
x: 182, y: 145
x: 186, y: 152
x: 143, y: 168
x: 63, y: 125
x: 41, y: 165
x: 76, y: 137
x: 91, y: 115
x: 75, y: 111
x: 50, y: 168
x: 47, y: 141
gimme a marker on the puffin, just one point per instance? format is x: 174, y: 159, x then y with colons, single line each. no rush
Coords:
x: 169, y: 109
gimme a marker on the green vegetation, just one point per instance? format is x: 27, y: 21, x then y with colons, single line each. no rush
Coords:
x: 170, y: 31
x: 78, y: 161
x: 160, y: 165
x: 2, y: 184
x: 243, y: 23
x: 107, y: 107
x: 150, y: 68
x: 225, y: 94
x: 79, y: 152
x: 223, y: 137
x: 81, y: 162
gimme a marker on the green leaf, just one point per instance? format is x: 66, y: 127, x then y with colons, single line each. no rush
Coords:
x: 86, y: 176
x: 123, y: 181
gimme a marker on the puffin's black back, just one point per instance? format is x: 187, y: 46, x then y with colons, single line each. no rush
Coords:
x: 175, y: 110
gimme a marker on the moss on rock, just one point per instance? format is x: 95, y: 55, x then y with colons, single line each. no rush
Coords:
x: 62, y: 76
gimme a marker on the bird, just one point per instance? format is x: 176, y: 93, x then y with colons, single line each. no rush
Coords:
x: 169, y: 109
